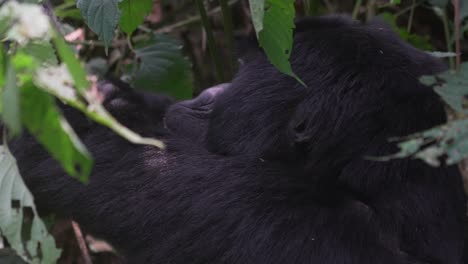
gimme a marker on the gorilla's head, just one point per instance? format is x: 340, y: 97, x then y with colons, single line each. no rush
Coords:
x: 362, y: 85
x: 189, y: 118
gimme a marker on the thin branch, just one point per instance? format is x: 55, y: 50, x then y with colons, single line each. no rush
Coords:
x: 215, y: 55
x: 371, y: 5
x: 410, y: 19
x: 227, y: 21
x: 92, y: 43
x: 456, y: 5
x: 447, y: 38
x: 356, y: 8
x: 192, y: 19
x: 81, y: 242
x: 408, y: 8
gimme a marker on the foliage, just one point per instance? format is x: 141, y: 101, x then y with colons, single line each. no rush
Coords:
x: 102, y: 16
x: 36, y: 244
x: 133, y: 14
x: 274, y: 22
x: 449, y: 141
x: 38, y: 66
x: 161, y: 68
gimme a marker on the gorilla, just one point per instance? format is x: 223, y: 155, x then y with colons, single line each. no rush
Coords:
x: 266, y: 170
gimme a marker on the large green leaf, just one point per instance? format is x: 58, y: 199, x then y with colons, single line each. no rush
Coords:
x: 275, y: 35
x: 77, y: 71
x: 40, y: 246
x: 59, y: 82
x: 42, y: 52
x: 102, y: 16
x: 10, y: 102
x: 42, y: 118
x: 162, y: 67
x: 257, y: 10
x: 133, y: 14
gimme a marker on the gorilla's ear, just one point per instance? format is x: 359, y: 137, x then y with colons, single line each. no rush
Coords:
x: 299, y: 131
x: 299, y: 127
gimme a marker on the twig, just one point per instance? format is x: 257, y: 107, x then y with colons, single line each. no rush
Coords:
x: 227, y: 21
x: 211, y: 42
x: 408, y: 8
x: 410, y: 19
x: 447, y: 38
x: 456, y: 5
x: 330, y: 6
x: 92, y: 43
x: 356, y: 8
x: 192, y: 19
x: 371, y: 4
x: 81, y: 242
x: 49, y: 10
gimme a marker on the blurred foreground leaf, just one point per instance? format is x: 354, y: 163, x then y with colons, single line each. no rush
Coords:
x: 14, y: 198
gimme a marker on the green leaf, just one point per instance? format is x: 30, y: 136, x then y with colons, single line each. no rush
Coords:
x: 463, y: 10
x: 449, y: 141
x: 5, y: 23
x: 257, y: 9
x: 162, y: 68
x: 42, y: 52
x: 276, y: 34
x: 57, y: 136
x: 133, y: 14
x: 2, y: 76
x: 77, y: 71
x: 454, y: 87
x: 10, y: 102
x: 439, y: 3
x: 102, y: 17
x: 40, y: 248
x: 68, y: 10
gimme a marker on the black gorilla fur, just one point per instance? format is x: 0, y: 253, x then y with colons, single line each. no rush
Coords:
x: 268, y: 171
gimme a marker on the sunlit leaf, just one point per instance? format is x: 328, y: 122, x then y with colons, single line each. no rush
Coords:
x: 29, y: 22
x: 43, y: 52
x: 10, y: 102
x: 75, y: 68
x: 57, y: 136
x: 257, y: 10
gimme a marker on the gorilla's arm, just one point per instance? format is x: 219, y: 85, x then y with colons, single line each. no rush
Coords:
x: 120, y: 200
x: 107, y: 196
